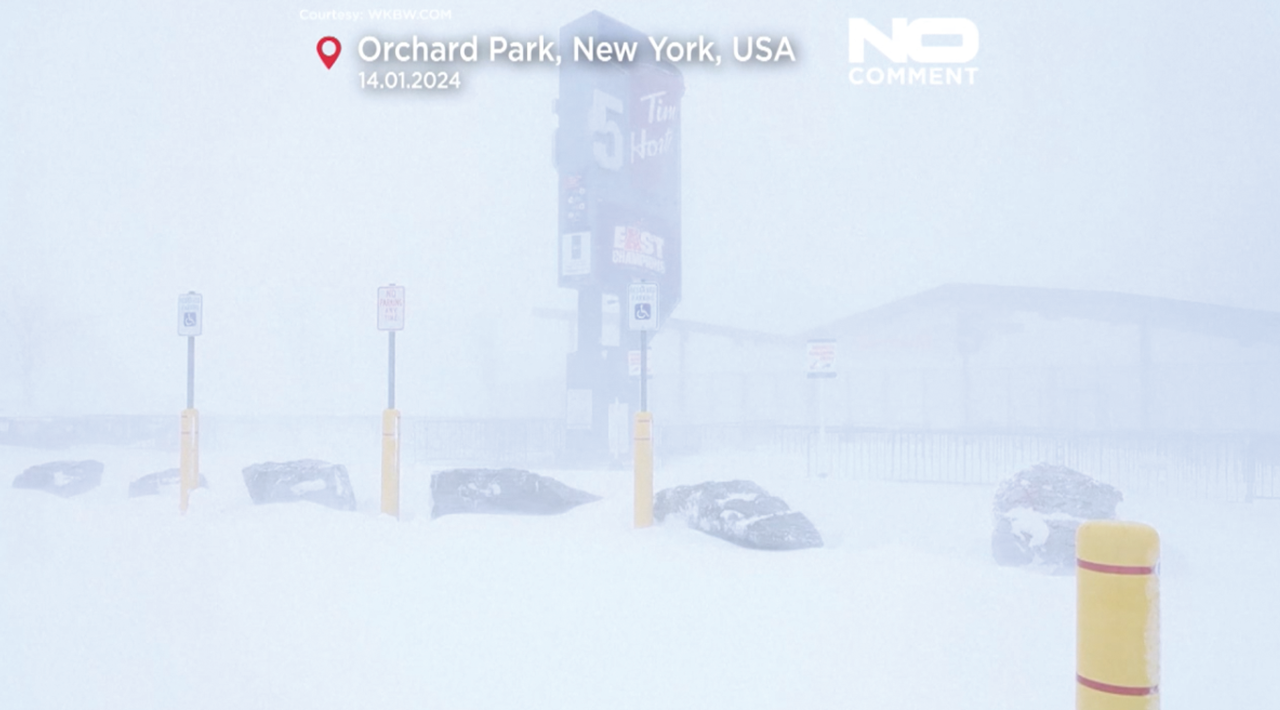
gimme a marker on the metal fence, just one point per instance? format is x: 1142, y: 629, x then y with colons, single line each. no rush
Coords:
x: 1216, y: 466
x: 478, y: 442
x: 61, y: 432
x: 483, y: 441
x: 1221, y: 466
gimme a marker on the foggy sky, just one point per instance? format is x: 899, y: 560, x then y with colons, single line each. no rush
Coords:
x: 150, y: 150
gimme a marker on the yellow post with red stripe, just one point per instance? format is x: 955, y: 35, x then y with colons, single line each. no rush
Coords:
x: 391, y: 462
x: 1117, y: 616
x: 644, y: 469
x: 189, y: 456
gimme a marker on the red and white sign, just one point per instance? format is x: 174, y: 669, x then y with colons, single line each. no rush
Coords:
x: 821, y: 358
x: 633, y: 363
x: 391, y: 307
x: 633, y: 246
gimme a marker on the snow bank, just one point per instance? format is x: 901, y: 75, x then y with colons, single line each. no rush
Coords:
x: 115, y: 602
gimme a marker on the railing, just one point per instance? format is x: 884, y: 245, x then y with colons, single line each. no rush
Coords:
x: 484, y: 441
x: 61, y: 432
x: 1216, y: 466
x: 1221, y: 466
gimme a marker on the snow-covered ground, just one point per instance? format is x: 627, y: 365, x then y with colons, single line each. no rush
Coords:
x: 111, y: 602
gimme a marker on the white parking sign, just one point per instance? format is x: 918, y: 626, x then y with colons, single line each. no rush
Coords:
x: 821, y: 358
x: 391, y: 307
x: 190, y: 314
x: 642, y: 313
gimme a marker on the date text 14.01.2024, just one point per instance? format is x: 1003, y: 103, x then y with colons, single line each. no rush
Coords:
x: 410, y: 80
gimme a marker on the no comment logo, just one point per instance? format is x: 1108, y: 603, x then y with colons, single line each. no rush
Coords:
x: 931, y: 51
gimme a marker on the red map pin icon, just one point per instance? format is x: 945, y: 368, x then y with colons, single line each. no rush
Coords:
x: 328, y: 59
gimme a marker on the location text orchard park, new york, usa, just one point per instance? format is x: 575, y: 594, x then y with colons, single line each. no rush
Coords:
x: 752, y: 48
x: 905, y: 57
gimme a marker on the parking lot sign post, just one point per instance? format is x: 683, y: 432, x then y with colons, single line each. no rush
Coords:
x: 642, y: 315
x: 820, y: 357
x: 391, y: 319
x: 190, y: 324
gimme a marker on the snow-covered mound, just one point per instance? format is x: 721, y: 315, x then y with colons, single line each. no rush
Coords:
x: 308, y: 479
x: 1038, y: 510
x: 506, y: 490
x: 738, y: 511
x: 62, y: 478
x: 126, y: 603
x: 161, y: 481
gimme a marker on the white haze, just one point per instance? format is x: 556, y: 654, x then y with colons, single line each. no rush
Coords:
x: 151, y: 149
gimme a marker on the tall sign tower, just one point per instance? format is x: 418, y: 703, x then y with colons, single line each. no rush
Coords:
x: 618, y: 163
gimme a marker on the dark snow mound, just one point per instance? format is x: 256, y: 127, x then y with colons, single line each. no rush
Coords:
x: 502, y: 491
x: 153, y: 483
x: 738, y: 511
x: 317, y: 481
x: 61, y: 478
x: 1037, y: 513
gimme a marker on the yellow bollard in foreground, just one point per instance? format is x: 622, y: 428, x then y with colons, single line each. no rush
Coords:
x: 391, y: 462
x: 1117, y: 616
x: 189, y: 461
x: 644, y: 469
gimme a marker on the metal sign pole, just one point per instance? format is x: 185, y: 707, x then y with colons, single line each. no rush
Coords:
x: 644, y: 371
x: 822, y: 413
x: 391, y: 369
x: 190, y: 324
x: 821, y: 356
x: 642, y: 316
x: 191, y: 372
x: 391, y: 318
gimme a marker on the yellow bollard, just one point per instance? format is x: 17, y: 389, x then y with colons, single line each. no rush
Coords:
x: 189, y: 461
x: 391, y: 462
x: 644, y: 469
x: 1117, y: 616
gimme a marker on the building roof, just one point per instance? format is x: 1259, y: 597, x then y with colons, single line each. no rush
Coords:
x: 1244, y: 325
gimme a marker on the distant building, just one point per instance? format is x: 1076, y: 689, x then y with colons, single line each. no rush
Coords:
x: 973, y: 357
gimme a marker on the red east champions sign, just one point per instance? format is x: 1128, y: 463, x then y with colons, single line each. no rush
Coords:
x: 634, y: 246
